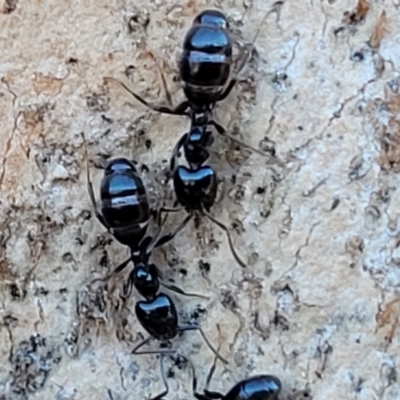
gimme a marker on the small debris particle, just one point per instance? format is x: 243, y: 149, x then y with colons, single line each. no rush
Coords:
x: 358, y: 14
x: 204, y: 266
x: 357, y: 56
x: 138, y: 20
x: 260, y: 190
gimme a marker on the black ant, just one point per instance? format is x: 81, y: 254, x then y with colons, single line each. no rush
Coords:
x: 125, y: 213
x: 208, y: 72
x: 206, y: 68
x: 259, y: 387
x: 158, y: 314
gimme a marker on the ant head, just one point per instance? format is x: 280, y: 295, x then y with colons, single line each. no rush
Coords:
x: 212, y: 17
x: 119, y: 166
x: 145, y: 279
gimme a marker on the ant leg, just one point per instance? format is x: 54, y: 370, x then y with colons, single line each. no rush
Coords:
x: 229, y: 88
x: 211, y: 347
x: 156, y: 241
x: 208, y: 393
x: 164, y: 82
x: 92, y: 197
x: 181, y: 292
x: 167, y: 238
x: 175, y: 152
x: 197, y: 395
x: 222, y: 131
x: 116, y: 271
x: 147, y: 352
x: 141, y: 344
x: 174, y: 208
x: 164, y: 379
x: 245, y: 51
x: 171, y: 210
x: 180, y: 109
x: 224, y: 228
x: 148, y: 248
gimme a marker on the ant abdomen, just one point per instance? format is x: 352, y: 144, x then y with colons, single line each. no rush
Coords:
x: 124, y: 202
x: 206, y: 61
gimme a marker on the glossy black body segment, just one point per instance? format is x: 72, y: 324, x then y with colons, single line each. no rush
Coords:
x: 195, y: 189
x: 206, y: 63
x: 124, y: 204
x: 145, y: 279
x: 262, y: 387
x: 158, y: 317
x: 212, y: 17
x: 196, y: 145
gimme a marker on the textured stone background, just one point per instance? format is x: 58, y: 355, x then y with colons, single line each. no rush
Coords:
x: 317, y: 223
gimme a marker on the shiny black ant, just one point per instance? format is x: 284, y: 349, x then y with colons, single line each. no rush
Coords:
x: 158, y: 316
x: 125, y: 213
x: 208, y: 72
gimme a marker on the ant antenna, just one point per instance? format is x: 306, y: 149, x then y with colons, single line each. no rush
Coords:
x: 164, y: 82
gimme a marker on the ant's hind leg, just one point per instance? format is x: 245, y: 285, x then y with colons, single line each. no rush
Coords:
x: 210, y: 346
x: 168, y: 237
x: 116, y: 271
x: 222, y: 131
x: 230, y: 241
x: 164, y: 379
x: 92, y: 197
x: 207, y: 394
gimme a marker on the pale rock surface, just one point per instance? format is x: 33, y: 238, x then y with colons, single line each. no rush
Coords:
x: 318, y: 222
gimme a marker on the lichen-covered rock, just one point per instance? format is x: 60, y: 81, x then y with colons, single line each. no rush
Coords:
x: 317, y: 221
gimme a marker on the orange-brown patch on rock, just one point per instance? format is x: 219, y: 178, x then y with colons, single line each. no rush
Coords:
x: 47, y: 84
